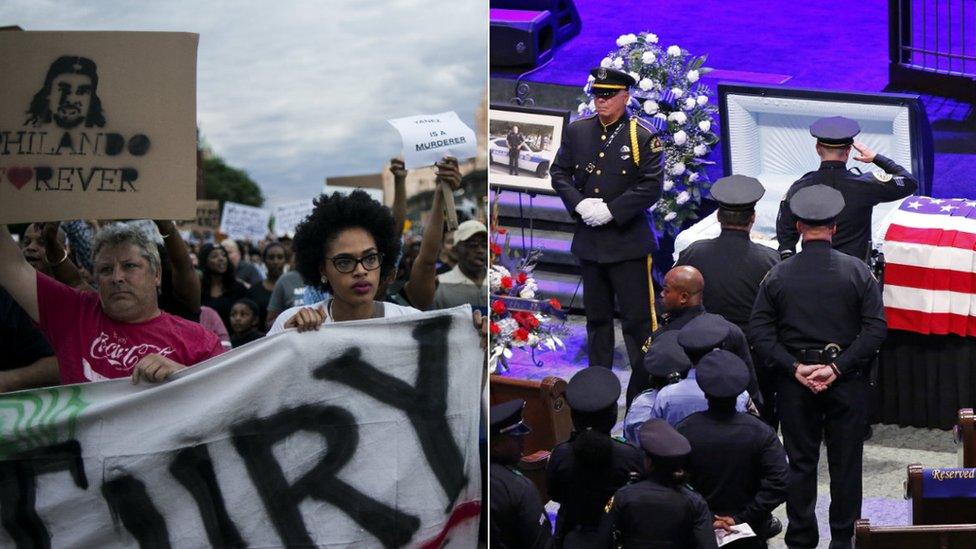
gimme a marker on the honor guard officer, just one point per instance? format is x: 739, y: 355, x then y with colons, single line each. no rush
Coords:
x: 862, y: 192
x: 818, y: 321
x: 517, y: 517
x: 608, y: 172
x: 737, y: 463
x: 665, y: 364
x: 584, y: 472
x: 660, y: 511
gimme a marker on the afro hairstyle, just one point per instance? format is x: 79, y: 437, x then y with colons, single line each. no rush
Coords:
x: 334, y: 214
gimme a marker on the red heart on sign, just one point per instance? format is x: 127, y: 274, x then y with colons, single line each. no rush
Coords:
x: 20, y: 176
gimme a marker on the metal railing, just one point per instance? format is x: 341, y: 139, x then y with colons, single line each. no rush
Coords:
x: 932, y: 47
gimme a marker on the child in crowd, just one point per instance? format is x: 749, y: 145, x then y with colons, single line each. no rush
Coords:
x: 244, y: 317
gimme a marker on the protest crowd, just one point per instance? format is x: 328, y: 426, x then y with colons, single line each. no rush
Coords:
x: 180, y: 301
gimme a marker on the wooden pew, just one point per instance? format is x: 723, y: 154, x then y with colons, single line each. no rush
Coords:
x: 965, y: 437
x: 546, y: 413
x: 945, y: 536
x: 936, y: 510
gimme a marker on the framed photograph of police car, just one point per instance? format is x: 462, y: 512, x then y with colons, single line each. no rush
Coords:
x: 522, y: 143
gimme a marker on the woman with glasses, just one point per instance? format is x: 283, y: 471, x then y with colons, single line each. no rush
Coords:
x: 345, y: 247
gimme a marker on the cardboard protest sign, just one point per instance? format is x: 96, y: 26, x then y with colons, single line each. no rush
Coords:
x: 429, y: 137
x: 242, y: 222
x: 361, y: 434
x: 208, y: 217
x: 288, y: 216
x: 97, y: 125
x: 375, y: 194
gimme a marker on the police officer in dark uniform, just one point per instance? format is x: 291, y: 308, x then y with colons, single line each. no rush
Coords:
x: 862, y: 192
x: 661, y: 511
x: 818, y: 321
x: 681, y: 298
x: 515, y: 141
x: 518, y: 518
x: 737, y: 463
x: 732, y: 265
x: 584, y: 472
x: 608, y: 172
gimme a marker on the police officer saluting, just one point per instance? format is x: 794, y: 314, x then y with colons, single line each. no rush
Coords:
x: 584, y: 472
x: 737, y: 463
x: 660, y: 511
x: 517, y: 517
x: 608, y: 172
x: 861, y: 192
x: 818, y: 321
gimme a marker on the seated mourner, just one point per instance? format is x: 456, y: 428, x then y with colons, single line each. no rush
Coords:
x: 518, y: 519
x: 678, y: 401
x: 737, y: 463
x: 660, y: 510
x: 585, y: 471
x: 665, y: 363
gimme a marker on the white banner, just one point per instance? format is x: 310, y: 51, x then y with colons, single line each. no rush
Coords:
x: 288, y: 216
x: 242, y: 222
x: 429, y: 137
x: 362, y: 434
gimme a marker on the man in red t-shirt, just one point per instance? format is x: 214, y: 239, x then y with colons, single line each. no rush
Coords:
x: 118, y: 332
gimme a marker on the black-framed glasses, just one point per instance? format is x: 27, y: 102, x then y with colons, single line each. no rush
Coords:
x: 346, y: 265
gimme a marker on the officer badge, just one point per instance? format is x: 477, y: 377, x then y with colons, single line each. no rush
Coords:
x: 602, y: 73
x: 881, y: 176
x: 624, y: 152
x: 656, y: 145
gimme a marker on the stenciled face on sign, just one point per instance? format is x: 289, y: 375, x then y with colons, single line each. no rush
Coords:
x: 68, y: 96
x: 70, y: 99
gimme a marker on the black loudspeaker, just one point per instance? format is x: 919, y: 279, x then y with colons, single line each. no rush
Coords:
x: 565, y: 18
x: 520, y: 37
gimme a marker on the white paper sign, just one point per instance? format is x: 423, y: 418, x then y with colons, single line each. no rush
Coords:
x: 288, y: 216
x: 429, y: 137
x: 329, y: 438
x: 242, y: 222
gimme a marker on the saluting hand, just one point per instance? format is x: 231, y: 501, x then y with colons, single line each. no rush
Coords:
x: 866, y: 154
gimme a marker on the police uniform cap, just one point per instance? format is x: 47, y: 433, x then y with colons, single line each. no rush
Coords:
x: 610, y: 81
x: 666, y: 357
x: 506, y: 418
x: 722, y: 374
x: 593, y: 389
x: 737, y: 192
x: 835, y: 131
x: 659, y: 439
x: 817, y: 204
x: 702, y: 334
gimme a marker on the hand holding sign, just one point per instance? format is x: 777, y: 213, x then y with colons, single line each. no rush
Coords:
x: 398, y: 169
x: 448, y: 180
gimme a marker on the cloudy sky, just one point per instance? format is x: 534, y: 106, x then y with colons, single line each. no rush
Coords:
x: 294, y: 91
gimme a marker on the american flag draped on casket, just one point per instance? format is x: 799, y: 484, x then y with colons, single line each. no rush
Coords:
x: 930, y: 271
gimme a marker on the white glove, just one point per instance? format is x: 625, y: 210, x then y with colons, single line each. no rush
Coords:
x: 600, y: 215
x: 585, y: 207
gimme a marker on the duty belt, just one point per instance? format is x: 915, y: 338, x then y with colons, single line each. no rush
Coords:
x: 826, y: 355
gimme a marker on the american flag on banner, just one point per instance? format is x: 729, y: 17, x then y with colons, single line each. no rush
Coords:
x: 930, y: 271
